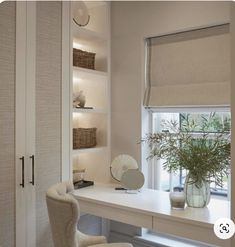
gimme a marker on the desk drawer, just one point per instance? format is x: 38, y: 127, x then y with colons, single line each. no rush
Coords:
x: 117, y: 214
x: 188, y: 230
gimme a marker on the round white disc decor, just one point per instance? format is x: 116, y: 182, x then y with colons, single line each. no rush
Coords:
x: 121, y: 164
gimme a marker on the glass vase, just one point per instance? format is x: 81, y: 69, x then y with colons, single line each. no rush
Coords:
x: 197, y: 196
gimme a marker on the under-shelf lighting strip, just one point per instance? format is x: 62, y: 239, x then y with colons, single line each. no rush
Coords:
x: 78, y: 46
x: 77, y: 79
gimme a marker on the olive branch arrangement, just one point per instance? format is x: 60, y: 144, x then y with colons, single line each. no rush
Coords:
x: 206, y: 156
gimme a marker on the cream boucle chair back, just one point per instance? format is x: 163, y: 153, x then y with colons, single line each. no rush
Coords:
x: 64, y: 213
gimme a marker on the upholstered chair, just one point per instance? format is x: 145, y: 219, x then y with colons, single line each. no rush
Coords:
x: 64, y: 213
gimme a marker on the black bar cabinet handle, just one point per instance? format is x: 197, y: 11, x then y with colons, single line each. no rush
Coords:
x: 32, y: 158
x: 22, y: 163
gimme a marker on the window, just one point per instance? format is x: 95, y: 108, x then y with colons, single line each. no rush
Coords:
x: 220, y: 121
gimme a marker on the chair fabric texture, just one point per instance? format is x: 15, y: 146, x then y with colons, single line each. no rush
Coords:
x: 85, y: 240
x: 64, y: 213
x: 113, y: 245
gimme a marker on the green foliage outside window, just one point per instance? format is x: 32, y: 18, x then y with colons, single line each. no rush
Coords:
x: 205, y: 122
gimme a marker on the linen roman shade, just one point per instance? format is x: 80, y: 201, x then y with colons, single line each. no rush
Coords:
x: 189, y: 68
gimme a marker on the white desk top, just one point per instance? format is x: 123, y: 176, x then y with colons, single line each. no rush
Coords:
x: 154, y: 203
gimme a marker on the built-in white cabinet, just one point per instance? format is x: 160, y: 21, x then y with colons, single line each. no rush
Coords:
x: 36, y: 110
x: 33, y: 103
x: 25, y: 123
x: 95, y: 84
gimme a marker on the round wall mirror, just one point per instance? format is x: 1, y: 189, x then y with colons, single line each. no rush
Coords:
x: 132, y: 179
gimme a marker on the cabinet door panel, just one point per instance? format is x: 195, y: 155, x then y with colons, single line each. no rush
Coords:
x: 20, y: 111
x: 48, y: 110
x: 7, y: 126
x: 30, y: 124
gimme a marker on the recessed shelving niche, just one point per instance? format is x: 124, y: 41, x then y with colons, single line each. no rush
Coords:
x: 95, y: 164
x: 95, y: 37
x: 94, y: 87
x: 91, y: 120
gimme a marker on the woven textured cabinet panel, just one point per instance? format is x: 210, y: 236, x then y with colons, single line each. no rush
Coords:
x: 7, y: 123
x: 84, y: 138
x: 48, y: 110
x: 83, y: 59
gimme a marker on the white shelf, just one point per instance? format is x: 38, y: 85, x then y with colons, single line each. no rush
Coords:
x: 84, y: 110
x: 82, y: 72
x: 89, y: 150
x: 94, y: 4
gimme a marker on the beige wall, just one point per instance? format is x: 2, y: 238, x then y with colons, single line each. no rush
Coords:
x: 131, y: 22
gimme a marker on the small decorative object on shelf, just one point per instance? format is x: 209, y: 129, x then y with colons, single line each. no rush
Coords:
x: 78, y: 179
x: 80, y: 14
x: 85, y: 107
x: 78, y: 175
x: 82, y: 184
x: 83, y: 59
x: 177, y: 199
x: 79, y: 99
x: 84, y: 138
